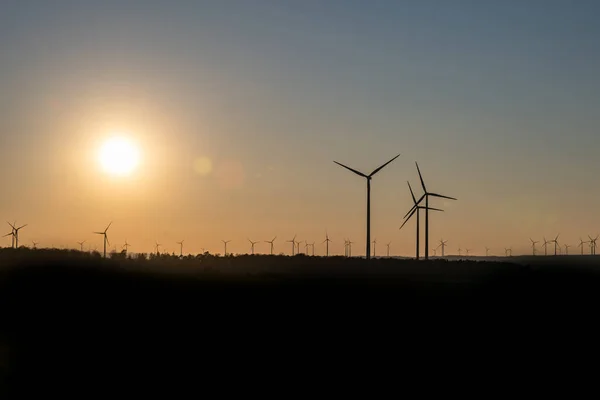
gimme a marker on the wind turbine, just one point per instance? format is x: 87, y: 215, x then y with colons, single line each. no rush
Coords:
x: 593, y: 244
x: 271, y: 242
x: 225, y: 243
x: 426, y: 196
x: 105, y: 237
x: 581, y: 243
x: 327, y: 240
x: 487, y: 251
x: 443, y: 244
x: 345, y: 247
x: 81, y: 245
x: 306, y: 246
x: 298, y: 246
x: 293, y: 242
x: 350, y: 248
x: 157, y: 246
x: 16, y: 233
x: 546, y: 246
x: 388, y: 248
x: 313, y: 248
x: 126, y: 246
x: 368, y: 178
x: 567, y: 249
x: 435, y: 251
x: 533, y: 243
x: 374, y: 245
x: 459, y: 251
x: 34, y: 243
x: 180, y: 248
x: 252, y: 245
x: 555, y: 241
x: 468, y: 252
x: 416, y: 208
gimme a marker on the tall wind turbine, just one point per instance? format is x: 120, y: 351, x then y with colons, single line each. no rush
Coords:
x: 416, y: 209
x: 567, y: 249
x: 546, y: 246
x: 225, y: 243
x: 327, y: 240
x: 81, y: 245
x: 126, y: 246
x: 181, y: 248
x: 252, y: 245
x: 105, y: 237
x: 293, y: 242
x: 581, y: 243
x: 298, y: 246
x: 16, y: 233
x: 426, y: 196
x: 350, y: 247
x: 443, y: 244
x: 368, y: 178
x: 555, y: 241
x: 533, y: 243
x: 593, y: 245
x: 388, y: 248
x: 271, y: 243
x: 157, y: 246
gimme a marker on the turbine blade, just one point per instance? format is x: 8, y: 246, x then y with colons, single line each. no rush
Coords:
x: 108, y: 227
x: 411, y: 193
x: 22, y: 226
x: 353, y: 170
x: 380, y: 168
x: 99, y: 233
x: 407, y: 219
x: 434, y: 209
x: 411, y: 211
x: 11, y: 225
x: 439, y: 195
x: 421, y: 177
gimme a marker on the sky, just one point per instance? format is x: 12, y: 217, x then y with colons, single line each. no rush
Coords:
x: 239, y: 109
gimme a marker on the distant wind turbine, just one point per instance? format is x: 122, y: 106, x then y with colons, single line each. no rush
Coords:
x: 350, y: 243
x: 34, y: 243
x: 327, y: 240
x: 252, y: 245
x: 593, y: 244
x: 271, y: 243
x: 533, y: 243
x: 555, y: 241
x: 468, y: 251
x: 157, y: 246
x: 293, y: 242
x: 388, y: 248
x: 368, y: 178
x: 546, y: 246
x: 81, y: 246
x: 435, y: 251
x: 581, y: 243
x: 426, y: 196
x: 313, y: 248
x: 105, y: 237
x: 567, y: 249
x: 443, y: 244
x: 487, y: 251
x: 298, y: 246
x: 181, y: 248
x: 12, y: 234
x: 16, y: 233
x: 374, y: 245
x: 225, y: 243
x: 126, y: 246
x: 459, y: 251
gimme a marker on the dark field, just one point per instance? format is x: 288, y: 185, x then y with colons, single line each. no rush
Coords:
x: 71, y: 320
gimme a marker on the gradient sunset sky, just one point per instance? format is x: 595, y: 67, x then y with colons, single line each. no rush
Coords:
x: 240, y: 107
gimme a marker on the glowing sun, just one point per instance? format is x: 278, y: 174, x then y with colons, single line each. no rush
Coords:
x: 119, y: 156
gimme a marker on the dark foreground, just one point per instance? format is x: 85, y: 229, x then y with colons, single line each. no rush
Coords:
x: 72, y: 322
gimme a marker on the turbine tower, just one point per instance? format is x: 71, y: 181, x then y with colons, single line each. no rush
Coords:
x: 225, y: 243
x: 593, y: 245
x: 252, y: 245
x: 555, y: 241
x: 567, y: 249
x: 327, y: 240
x: 81, y: 246
x: 16, y: 233
x: 313, y: 248
x: 157, y: 246
x: 350, y: 248
x: 487, y: 251
x: 374, y: 245
x: 12, y: 234
x: 34, y: 243
x: 368, y: 178
x: 105, y: 237
x: 443, y: 244
x: 180, y: 248
x: 416, y: 208
x: 581, y: 243
x: 426, y: 196
x: 546, y: 246
x: 271, y: 243
x: 126, y: 246
x: 388, y: 248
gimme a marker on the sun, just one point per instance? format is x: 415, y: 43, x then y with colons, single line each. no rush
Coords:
x: 119, y: 156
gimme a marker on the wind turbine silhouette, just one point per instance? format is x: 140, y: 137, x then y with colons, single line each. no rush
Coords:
x: 388, y: 248
x: 567, y: 249
x: 435, y: 251
x: 225, y: 243
x: 555, y: 241
x: 313, y: 248
x: 34, y: 243
x: 459, y: 251
x: 298, y: 246
x: 368, y: 178
x: 533, y: 243
x: 306, y: 246
x: 293, y: 242
x: 345, y: 247
x: 126, y: 246
x: 252, y: 245
x: 105, y: 237
x: 487, y: 251
x: 443, y: 244
x: 81, y: 245
x: 374, y: 245
x: 581, y: 243
x: 12, y: 234
x: 468, y: 251
x: 271, y: 242
x: 426, y: 196
x: 16, y: 233
x: 350, y: 248
x: 157, y: 246
x: 416, y: 208
x: 593, y: 244
x: 327, y: 240
x: 180, y: 248
x: 546, y: 246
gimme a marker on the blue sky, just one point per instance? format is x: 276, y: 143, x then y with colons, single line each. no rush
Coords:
x: 497, y: 100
